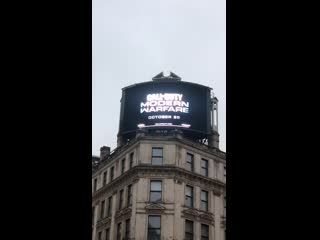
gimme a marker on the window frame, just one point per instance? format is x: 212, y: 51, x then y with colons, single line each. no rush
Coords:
x: 155, y: 191
x: 148, y: 235
x: 131, y: 160
x: 129, y: 195
x: 102, y: 209
x: 107, y: 234
x: 100, y: 235
x: 188, y: 235
x: 191, y: 163
x: 123, y: 165
x: 192, y: 196
x: 95, y: 184
x: 201, y: 236
x: 109, y: 213
x: 157, y: 157
x: 111, y: 173
x: 104, y: 180
x: 119, y: 230
x: 121, y: 195
x: 203, y: 201
x: 206, y: 169
x: 127, y: 229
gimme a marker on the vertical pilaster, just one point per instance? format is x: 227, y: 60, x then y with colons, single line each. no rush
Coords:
x: 217, y: 215
x: 133, y: 220
x: 113, y: 227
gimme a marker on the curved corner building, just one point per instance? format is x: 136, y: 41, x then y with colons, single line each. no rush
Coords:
x: 166, y: 179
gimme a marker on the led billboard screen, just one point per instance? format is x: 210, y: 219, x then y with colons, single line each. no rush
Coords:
x: 173, y: 104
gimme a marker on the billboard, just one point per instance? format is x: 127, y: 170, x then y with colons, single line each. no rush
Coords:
x: 169, y: 104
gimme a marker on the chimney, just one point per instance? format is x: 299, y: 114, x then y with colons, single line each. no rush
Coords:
x: 104, y: 152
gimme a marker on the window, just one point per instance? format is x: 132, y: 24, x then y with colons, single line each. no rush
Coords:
x: 189, y: 196
x: 131, y: 160
x: 102, y: 209
x: 120, y: 199
x: 190, y: 162
x: 155, y: 191
x: 107, y: 237
x: 204, y: 232
x: 129, y: 194
x: 119, y: 231
x: 225, y: 170
x: 127, y: 233
x: 204, y: 200
x: 154, y: 228
x: 104, y: 178
x: 189, y: 230
x: 157, y: 156
x: 204, y: 167
x: 111, y: 174
x: 95, y: 184
x: 123, y: 162
x: 109, y: 206
x: 99, y: 235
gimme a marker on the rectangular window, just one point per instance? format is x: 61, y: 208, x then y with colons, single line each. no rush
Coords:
x: 109, y: 206
x: 190, y: 162
x: 131, y: 160
x: 111, y: 174
x: 123, y: 162
x: 204, y: 232
x: 127, y: 233
x: 155, y: 191
x: 102, y: 209
x: 189, y: 230
x: 95, y: 183
x: 104, y: 178
x: 121, y: 199
x: 154, y: 228
x: 204, y: 200
x: 157, y: 156
x: 204, y: 167
x: 119, y: 231
x: 189, y: 196
x: 225, y: 170
x: 129, y: 194
x: 107, y: 237
x: 99, y: 235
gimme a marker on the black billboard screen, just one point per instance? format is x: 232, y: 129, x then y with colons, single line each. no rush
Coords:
x: 176, y: 104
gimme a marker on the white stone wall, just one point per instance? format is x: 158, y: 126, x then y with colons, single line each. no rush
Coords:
x: 173, y: 191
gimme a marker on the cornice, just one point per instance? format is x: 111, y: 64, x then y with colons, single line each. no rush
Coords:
x: 123, y: 214
x: 145, y: 171
x: 102, y: 223
x: 198, y: 215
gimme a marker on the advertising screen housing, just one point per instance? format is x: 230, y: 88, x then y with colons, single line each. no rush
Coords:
x: 163, y: 105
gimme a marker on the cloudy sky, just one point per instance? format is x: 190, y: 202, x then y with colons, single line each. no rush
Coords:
x: 134, y: 40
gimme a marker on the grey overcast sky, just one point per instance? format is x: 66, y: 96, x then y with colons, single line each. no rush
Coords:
x: 134, y: 40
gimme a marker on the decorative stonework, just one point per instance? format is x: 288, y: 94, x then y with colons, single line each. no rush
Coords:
x: 223, y: 222
x: 123, y: 214
x: 102, y: 223
x: 154, y: 208
x: 198, y: 215
x: 165, y: 171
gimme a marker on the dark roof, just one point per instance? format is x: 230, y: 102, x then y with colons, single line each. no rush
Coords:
x: 172, y: 78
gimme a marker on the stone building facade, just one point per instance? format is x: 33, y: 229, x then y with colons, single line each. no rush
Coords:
x: 159, y: 185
